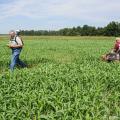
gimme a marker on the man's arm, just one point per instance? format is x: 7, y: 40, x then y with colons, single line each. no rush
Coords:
x: 115, y: 48
x: 19, y: 45
x: 15, y: 46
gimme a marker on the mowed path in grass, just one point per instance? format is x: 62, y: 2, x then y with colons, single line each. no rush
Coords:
x: 66, y: 80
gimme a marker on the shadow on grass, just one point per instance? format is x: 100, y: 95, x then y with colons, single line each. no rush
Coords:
x: 30, y: 63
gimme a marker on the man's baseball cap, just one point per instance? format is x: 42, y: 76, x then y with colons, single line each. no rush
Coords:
x: 17, y: 31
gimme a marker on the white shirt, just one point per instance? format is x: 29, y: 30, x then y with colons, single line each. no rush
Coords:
x: 16, y: 41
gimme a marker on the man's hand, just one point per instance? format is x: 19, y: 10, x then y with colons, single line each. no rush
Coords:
x: 112, y: 51
x: 8, y: 45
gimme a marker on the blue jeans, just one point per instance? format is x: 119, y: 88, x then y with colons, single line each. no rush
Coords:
x: 15, y: 58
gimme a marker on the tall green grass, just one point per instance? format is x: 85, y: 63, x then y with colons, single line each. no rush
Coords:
x: 66, y: 80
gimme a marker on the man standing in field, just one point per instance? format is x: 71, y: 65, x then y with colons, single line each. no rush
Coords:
x: 114, y: 55
x: 16, y: 45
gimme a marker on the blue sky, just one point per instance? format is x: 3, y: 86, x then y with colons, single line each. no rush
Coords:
x: 56, y: 14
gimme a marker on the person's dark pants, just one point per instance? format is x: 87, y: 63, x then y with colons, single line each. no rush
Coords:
x: 15, y: 59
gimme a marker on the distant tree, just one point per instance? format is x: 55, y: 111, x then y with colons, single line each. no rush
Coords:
x: 88, y: 31
x: 100, y: 31
x: 112, y: 29
x: 79, y: 29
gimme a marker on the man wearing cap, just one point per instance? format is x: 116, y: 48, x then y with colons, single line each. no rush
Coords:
x: 16, y: 46
x: 114, y: 55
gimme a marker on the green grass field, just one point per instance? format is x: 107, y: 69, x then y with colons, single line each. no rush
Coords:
x: 66, y: 80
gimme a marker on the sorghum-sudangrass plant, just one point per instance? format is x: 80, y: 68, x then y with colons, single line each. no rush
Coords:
x: 66, y: 80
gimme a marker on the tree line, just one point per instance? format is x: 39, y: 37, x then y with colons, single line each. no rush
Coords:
x: 112, y: 29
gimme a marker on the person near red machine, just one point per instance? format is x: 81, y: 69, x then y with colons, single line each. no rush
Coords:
x: 114, y: 55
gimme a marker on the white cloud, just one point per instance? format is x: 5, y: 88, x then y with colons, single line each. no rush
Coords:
x: 90, y: 11
x: 14, y: 8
